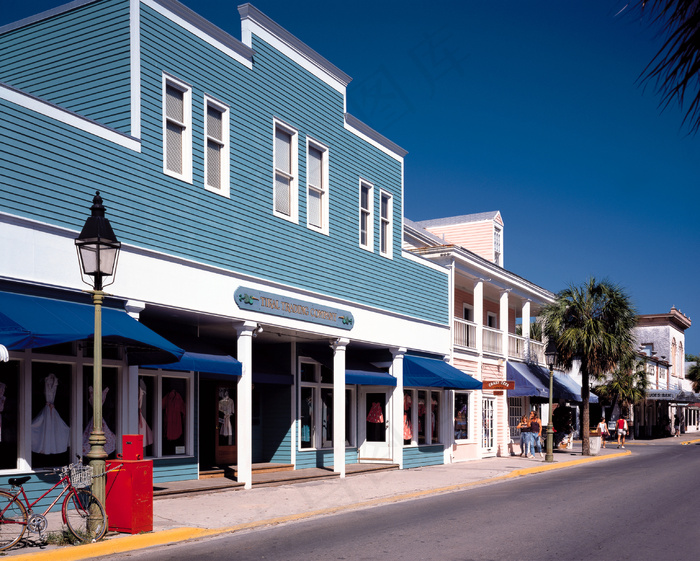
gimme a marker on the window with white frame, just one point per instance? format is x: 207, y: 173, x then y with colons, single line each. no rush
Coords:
x: 316, y: 407
x: 515, y: 411
x: 177, y: 129
x: 422, y: 410
x: 216, y: 147
x: 285, y: 183
x: 461, y: 416
x: 317, y: 186
x: 491, y: 320
x: 366, y: 216
x: 385, y: 233
x: 497, y: 242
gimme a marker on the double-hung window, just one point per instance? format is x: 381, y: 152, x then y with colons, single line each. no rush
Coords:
x: 497, y: 251
x: 217, y: 146
x: 285, y: 182
x: 177, y: 129
x: 366, y: 217
x: 385, y: 233
x: 317, y: 187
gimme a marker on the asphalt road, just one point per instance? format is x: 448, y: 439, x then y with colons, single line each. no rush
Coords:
x: 641, y: 507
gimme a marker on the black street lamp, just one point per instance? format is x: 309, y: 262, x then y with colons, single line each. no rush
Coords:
x: 98, y: 250
x: 550, y: 355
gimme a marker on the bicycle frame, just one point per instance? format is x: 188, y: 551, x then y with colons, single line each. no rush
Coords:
x: 30, y: 506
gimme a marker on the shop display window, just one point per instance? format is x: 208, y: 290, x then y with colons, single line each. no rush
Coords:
x: 407, y: 417
x: 422, y: 416
x: 51, y: 414
x: 9, y: 401
x: 110, y: 391
x: 174, y: 422
x: 435, y: 417
x: 306, y: 439
x: 147, y: 389
x: 461, y: 416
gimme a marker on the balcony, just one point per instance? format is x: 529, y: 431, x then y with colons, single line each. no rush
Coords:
x: 516, y: 346
x: 465, y: 334
x: 493, y: 340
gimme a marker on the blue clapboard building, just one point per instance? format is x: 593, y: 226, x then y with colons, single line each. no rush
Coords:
x: 263, y: 311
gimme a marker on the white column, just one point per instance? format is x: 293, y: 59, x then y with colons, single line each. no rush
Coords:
x: 526, y: 328
x: 397, y: 399
x: 479, y: 314
x: 503, y: 321
x: 244, y: 405
x: 339, y: 346
x: 130, y: 405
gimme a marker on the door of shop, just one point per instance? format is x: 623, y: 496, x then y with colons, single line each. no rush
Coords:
x: 488, y: 441
x: 225, y: 442
x: 374, y: 433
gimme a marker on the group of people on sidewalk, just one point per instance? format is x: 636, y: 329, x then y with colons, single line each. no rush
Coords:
x: 530, y: 435
x: 621, y: 428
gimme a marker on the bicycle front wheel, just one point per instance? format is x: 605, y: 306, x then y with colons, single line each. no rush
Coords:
x: 84, y: 515
x: 13, y: 520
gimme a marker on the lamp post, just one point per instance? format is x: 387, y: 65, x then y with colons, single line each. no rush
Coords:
x: 550, y: 355
x: 98, y: 250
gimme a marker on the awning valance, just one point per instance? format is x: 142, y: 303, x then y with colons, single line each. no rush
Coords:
x: 533, y: 380
x: 28, y: 322
x: 200, y: 362
x: 432, y: 373
x: 369, y: 378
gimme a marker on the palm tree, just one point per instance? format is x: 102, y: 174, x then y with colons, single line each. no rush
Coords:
x: 591, y: 323
x: 627, y: 384
x: 694, y: 371
x: 675, y: 70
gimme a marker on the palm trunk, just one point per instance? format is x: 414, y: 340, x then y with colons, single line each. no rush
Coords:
x: 586, y: 417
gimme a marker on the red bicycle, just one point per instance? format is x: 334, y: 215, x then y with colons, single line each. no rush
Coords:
x: 82, y: 512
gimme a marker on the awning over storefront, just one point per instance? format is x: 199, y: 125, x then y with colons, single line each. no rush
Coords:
x: 28, y: 322
x: 368, y: 378
x: 675, y: 396
x: 533, y: 380
x: 200, y: 362
x: 433, y: 373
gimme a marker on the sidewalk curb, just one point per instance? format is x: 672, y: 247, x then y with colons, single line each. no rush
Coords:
x: 686, y: 442
x: 141, y: 541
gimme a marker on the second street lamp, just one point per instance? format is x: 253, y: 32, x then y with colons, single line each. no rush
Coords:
x: 550, y: 355
x: 98, y: 250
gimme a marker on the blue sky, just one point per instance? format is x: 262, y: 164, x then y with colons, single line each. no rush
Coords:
x: 531, y: 108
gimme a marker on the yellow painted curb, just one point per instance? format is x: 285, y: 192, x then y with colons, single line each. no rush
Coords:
x: 141, y: 541
x: 695, y: 441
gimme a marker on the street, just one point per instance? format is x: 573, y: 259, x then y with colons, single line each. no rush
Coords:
x: 638, y: 507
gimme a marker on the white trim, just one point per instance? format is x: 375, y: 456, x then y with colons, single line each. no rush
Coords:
x: 135, y: 64
x: 424, y: 261
x: 374, y: 143
x: 186, y: 89
x: 224, y: 188
x: 294, y: 169
x: 68, y: 117
x: 369, y: 246
x: 249, y: 28
x: 389, y: 221
x: 198, y: 33
x: 325, y: 187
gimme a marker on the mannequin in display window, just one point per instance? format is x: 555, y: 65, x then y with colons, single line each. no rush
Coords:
x: 50, y: 434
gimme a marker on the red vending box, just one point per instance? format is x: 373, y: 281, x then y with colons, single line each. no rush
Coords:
x: 129, y: 495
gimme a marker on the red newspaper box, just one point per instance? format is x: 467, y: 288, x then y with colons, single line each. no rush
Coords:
x: 129, y: 490
x: 132, y: 446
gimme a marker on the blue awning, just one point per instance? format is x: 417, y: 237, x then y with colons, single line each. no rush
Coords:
x: 200, y: 362
x: 533, y: 380
x: 368, y: 378
x: 28, y: 322
x: 421, y: 372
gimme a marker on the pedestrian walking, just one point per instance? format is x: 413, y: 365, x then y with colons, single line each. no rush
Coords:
x: 677, y: 427
x: 536, y: 432
x: 622, y: 431
x: 603, y: 430
x: 524, y: 427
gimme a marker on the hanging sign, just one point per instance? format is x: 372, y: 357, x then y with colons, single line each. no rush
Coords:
x: 276, y: 305
x: 499, y: 385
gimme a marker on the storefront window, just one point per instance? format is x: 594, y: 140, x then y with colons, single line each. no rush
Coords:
x: 435, y: 417
x: 306, y: 438
x: 407, y: 417
x: 174, y: 416
x: 109, y: 409
x: 461, y: 416
x: 326, y: 417
x: 422, y: 416
x: 349, y: 409
x: 51, y: 414
x: 146, y: 412
x: 9, y: 401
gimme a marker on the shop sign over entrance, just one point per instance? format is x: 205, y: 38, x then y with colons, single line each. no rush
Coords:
x: 276, y: 305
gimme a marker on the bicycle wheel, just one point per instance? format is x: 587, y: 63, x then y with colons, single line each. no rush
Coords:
x: 84, y: 515
x: 13, y: 520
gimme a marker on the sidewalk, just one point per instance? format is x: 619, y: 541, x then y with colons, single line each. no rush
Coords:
x: 191, y: 515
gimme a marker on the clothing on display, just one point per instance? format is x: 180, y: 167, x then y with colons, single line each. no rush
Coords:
x: 174, y: 409
x: 226, y: 407
x: 111, y: 443
x: 375, y: 413
x: 50, y: 434
x: 144, y: 429
x: 407, y: 429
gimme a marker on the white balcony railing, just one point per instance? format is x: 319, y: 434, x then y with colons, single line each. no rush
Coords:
x: 536, y: 352
x: 465, y: 334
x: 493, y: 340
x: 516, y: 346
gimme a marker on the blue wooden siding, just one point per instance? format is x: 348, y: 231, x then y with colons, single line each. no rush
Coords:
x: 323, y: 458
x: 150, y: 209
x: 419, y: 456
x: 38, y: 485
x: 78, y: 60
x: 277, y: 424
x: 174, y: 469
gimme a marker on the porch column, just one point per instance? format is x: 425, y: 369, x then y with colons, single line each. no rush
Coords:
x: 397, y: 411
x: 130, y: 405
x: 526, y: 328
x: 479, y: 314
x: 339, y: 346
x: 503, y: 321
x: 244, y: 405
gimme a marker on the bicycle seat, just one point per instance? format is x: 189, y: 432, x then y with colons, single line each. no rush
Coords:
x: 18, y: 481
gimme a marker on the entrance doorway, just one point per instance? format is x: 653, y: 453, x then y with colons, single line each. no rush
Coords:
x: 374, y: 425
x: 488, y: 441
x: 218, y: 442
